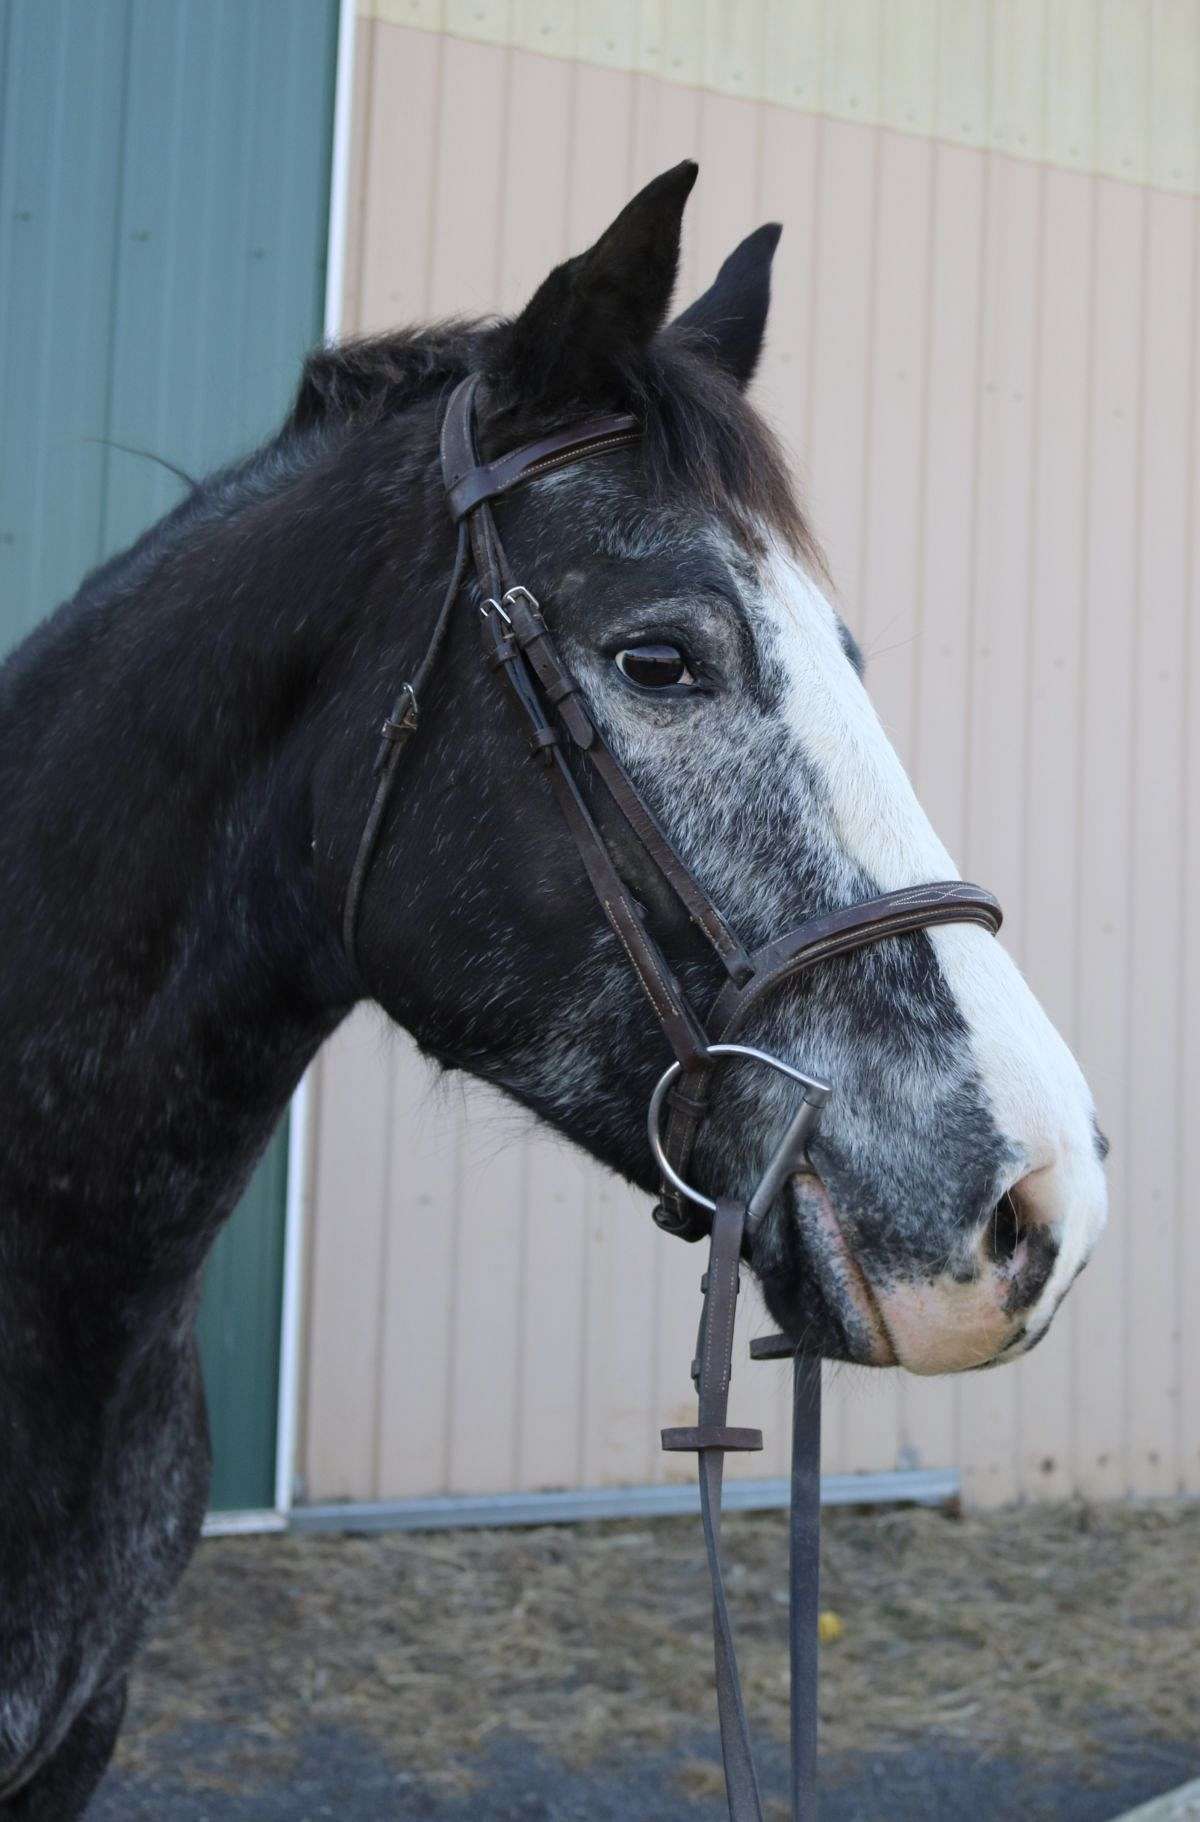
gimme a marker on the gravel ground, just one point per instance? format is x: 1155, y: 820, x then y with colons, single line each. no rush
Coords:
x: 1038, y: 1663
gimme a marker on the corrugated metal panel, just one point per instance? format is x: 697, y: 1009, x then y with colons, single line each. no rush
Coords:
x: 163, y: 184
x: 239, y: 1328
x: 988, y: 369
x: 1108, y: 86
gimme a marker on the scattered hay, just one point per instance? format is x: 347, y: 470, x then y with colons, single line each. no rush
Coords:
x: 1032, y: 1633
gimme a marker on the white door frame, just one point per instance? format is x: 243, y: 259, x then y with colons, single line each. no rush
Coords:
x: 300, y: 1114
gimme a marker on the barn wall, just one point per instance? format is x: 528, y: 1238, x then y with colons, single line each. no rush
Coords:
x: 983, y: 355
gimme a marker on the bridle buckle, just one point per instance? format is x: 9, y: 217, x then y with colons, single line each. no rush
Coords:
x: 404, y: 716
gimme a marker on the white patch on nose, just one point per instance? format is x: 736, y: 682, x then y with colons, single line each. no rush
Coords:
x: 1034, y: 1088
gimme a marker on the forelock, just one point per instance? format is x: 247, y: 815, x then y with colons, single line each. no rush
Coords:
x: 701, y: 438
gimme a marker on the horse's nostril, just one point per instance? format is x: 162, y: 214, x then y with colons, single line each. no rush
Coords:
x: 1020, y: 1247
x: 1003, y: 1233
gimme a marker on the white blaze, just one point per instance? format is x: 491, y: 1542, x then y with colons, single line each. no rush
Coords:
x: 1035, y: 1090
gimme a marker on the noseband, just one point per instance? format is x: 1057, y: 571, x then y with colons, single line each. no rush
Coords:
x: 519, y: 648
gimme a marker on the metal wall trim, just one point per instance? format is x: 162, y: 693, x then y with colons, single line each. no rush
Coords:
x: 300, y: 1127
x: 249, y: 1523
x: 917, y: 1486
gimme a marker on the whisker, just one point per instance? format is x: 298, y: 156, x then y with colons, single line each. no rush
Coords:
x: 881, y: 651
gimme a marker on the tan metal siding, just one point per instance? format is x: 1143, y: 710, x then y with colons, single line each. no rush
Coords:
x: 987, y: 368
x: 1109, y: 86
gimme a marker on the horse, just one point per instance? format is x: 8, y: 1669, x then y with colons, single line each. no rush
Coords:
x: 187, y: 756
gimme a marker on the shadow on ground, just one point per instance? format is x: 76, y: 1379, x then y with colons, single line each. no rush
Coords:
x: 337, y: 1778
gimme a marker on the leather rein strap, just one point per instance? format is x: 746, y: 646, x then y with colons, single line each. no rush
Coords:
x: 519, y: 647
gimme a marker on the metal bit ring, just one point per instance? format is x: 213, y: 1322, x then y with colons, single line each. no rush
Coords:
x: 815, y: 1096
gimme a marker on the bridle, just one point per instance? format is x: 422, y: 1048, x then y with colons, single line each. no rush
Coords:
x: 519, y: 648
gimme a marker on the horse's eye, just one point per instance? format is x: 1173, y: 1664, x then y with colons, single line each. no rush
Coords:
x: 654, y: 667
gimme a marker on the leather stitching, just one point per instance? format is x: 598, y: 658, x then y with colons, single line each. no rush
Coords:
x: 664, y: 1007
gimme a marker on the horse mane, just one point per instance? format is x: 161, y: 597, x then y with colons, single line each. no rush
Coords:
x: 701, y: 434
x: 701, y: 437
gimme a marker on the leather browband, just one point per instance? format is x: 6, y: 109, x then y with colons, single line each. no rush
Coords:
x: 487, y: 480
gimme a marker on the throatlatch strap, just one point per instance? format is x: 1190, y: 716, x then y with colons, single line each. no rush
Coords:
x: 395, y: 735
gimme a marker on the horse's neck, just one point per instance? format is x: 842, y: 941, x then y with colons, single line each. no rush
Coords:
x: 160, y: 938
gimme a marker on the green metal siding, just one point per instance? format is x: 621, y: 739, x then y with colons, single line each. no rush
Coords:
x: 164, y: 174
x: 239, y: 1340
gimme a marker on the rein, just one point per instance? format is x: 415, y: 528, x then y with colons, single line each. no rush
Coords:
x: 519, y: 648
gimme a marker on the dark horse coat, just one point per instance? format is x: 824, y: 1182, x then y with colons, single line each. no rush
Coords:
x: 185, y: 753
x: 185, y: 764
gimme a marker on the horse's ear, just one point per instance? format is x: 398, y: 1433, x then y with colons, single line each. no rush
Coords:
x: 593, y: 312
x: 731, y: 316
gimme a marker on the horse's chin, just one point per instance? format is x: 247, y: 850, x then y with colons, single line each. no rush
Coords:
x: 830, y: 1309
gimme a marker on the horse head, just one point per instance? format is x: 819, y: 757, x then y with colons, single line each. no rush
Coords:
x: 956, y: 1186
